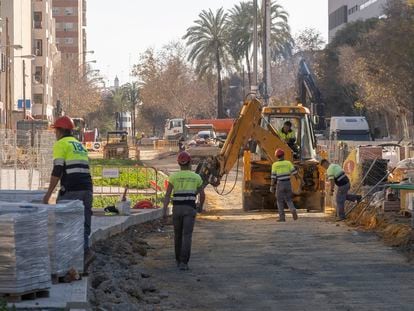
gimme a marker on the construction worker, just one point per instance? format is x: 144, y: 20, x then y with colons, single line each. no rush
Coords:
x: 287, y: 134
x: 185, y: 185
x: 71, y: 168
x: 337, y: 176
x: 282, y: 170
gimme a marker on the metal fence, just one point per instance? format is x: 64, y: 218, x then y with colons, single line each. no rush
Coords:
x: 110, y: 182
x: 25, y: 159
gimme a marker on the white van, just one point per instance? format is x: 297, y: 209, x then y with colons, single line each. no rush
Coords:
x: 349, y: 128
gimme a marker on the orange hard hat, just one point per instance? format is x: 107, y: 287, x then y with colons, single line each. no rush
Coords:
x: 183, y: 158
x: 64, y: 123
x: 279, y: 153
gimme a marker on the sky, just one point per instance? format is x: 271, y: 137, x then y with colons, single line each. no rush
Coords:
x: 118, y: 31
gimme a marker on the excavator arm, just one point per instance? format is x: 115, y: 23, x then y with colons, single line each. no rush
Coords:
x: 308, y: 88
x: 246, y: 127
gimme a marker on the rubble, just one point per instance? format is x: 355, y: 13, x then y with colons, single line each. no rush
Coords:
x: 118, y: 279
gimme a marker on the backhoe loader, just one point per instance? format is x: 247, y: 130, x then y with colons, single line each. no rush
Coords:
x: 255, y: 135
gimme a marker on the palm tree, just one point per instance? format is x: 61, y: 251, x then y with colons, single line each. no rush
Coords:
x: 241, y: 24
x: 132, y: 94
x: 209, y: 50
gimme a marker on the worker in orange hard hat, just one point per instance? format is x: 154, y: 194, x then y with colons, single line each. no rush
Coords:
x: 71, y: 168
x: 185, y: 186
x: 282, y: 170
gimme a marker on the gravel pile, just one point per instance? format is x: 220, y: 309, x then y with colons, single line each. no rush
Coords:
x: 118, y: 281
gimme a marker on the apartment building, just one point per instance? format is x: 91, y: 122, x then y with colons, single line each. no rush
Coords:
x: 16, y: 49
x: 70, y: 16
x: 46, y: 58
x: 342, y: 12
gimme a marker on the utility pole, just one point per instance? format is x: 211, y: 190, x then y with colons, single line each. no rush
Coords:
x: 255, y: 44
x: 7, y: 82
x: 24, y: 89
x: 267, y: 23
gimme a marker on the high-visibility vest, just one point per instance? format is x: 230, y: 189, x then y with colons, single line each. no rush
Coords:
x: 287, y: 136
x: 282, y: 170
x: 185, y: 186
x: 69, y: 153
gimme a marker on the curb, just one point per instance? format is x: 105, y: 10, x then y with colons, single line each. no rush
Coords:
x: 122, y: 223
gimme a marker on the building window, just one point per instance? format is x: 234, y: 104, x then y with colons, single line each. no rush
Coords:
x: 38, y: 99
x: 37, y: 18
x: 338, y: 17
x: 55, y: 11
x: 68, y: 26
x: 69, y: 40
x: 38, y: 74
x: 69, y: 11
x: 353, y: 10
x: 38, y: 47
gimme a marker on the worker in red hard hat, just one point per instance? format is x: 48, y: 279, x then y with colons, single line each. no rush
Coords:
x: 71, y: 168
x: 184, y: 186
x: 282, y: 170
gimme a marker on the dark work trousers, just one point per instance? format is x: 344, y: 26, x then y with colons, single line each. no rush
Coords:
x: 86, y: 197
x: 284, y: 195
x: 342, y: 196
x: 183, y: 220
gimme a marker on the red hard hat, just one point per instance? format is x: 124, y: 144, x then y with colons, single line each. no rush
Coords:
x: 183, y: 158
x: 64, y: 123
x: 279, y: 153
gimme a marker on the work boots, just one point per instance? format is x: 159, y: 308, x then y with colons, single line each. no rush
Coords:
x: 295, y: 215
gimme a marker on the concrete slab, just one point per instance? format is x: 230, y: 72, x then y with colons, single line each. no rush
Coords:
x: 73, y: 296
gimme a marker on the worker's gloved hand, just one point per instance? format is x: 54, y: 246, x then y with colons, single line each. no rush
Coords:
x: 272, y: 189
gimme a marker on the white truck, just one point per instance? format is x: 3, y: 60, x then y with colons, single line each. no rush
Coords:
x: 350, y: 128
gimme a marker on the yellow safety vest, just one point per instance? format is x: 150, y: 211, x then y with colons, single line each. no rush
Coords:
x: 287, y: 136
x: 69, y: 153
x: 185, y: 185
x: 282, y: 170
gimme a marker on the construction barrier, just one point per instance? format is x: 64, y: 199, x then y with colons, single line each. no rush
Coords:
x: 25, y: 159
x: 143, y: 183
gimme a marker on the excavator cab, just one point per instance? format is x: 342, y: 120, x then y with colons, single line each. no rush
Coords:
x: 301, y: 139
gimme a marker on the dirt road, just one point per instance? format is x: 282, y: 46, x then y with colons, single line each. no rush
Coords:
x: 248, y: 261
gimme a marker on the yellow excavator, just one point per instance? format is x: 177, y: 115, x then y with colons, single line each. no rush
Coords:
x: 255, y: 135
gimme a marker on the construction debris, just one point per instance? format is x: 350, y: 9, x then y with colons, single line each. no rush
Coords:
x: 395, y: 230
x: 118, y: 281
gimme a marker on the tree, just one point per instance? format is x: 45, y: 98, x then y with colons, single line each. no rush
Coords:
x: 380, y: 67
x: 309, y: 40
x: 170, y: 88
x: 79, y: 94
x: 209, y: 50
x: 132, y: 94
x: 241, y: 27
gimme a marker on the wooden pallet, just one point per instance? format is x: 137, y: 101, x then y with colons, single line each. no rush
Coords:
x: 30, y: 295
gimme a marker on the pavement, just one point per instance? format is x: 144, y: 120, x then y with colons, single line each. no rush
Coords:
x: 248, y: 261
